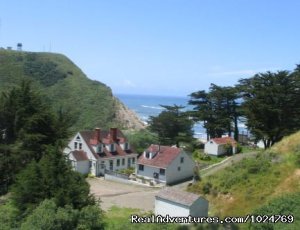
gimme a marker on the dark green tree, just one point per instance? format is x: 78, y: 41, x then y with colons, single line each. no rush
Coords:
x: 50, y: 178
x: 218, y: 110
x: 50, y: 216
x: 172, y: 125
x: 27, y: 127
x: 271, y: 105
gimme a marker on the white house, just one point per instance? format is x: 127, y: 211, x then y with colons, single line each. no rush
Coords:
x: 96, y: 151
x: 172, y: 202
x: 165, y: 164
x: 217, y: 146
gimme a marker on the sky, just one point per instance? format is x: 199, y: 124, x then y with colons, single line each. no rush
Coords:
x: 159, y: 47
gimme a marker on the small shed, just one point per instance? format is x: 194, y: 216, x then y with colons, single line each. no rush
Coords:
x: 218, y: 146
x: 173, y: 202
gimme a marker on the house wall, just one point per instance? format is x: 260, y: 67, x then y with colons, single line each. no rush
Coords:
x: 149, y: 171
x: 214, y: 149
x: 199, y: 208
x: 178, y: 171
x: 106, y: 163
x: 211, y: 148
x: 165, y: 207
x: 83, y: 167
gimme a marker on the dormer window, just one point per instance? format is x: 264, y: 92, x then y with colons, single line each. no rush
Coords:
x: 126, y: 146
x: 99, y: 149
x: 147, y: 155
x: 112, y: 147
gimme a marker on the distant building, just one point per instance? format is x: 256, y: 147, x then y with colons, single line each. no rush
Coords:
x: 19, y: 46
x: 172, y: 202
x: 165, y: 164
x: 96, y: 151
x: 218, y: 146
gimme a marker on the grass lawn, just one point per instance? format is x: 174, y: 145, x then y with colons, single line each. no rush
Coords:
x: 120, y: 218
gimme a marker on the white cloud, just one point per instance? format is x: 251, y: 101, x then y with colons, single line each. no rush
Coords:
x: 129, y: 84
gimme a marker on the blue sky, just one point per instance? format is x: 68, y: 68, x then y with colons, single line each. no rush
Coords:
x: 159, y: 47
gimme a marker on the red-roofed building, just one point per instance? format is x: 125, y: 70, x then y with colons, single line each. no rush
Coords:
x: 218, y: 146
x: 165, y: 164
x: 104, y: 150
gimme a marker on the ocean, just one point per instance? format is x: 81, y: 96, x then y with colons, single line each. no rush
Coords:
x: 145, y: 106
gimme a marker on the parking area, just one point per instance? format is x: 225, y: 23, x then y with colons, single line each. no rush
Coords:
x: 122, y: 195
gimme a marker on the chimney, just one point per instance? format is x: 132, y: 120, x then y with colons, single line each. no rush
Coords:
x: 113, y: 134
x: 97, y: 134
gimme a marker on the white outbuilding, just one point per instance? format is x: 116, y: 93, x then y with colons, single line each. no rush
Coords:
x: 177, y: 203
x: 219, y: 146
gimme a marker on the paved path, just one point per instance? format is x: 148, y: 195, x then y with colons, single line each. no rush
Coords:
x: 212, y: 169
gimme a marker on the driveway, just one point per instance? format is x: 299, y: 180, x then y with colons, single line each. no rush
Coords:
x: 122, y: 195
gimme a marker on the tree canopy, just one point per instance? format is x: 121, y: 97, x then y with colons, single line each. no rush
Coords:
x: 271, y: 105
x: 217, y: 109
x: 172, y: 125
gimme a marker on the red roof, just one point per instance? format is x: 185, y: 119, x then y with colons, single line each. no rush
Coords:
x: 224, y: 140
x: 163, y: 156
x: 80, y: 155
x: 105, y: 138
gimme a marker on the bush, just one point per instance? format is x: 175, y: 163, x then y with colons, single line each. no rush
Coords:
x: 206, y: 188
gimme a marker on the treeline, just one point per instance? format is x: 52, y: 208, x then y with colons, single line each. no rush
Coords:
x: 43, y: 190
x: 268, y: 103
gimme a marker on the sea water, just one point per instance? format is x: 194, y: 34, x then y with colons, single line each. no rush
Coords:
x: 145, y: 106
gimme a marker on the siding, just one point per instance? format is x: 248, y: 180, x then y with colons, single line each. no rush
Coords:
x: 186, y: 169
x: 165, y: 207
x: 149, y: 171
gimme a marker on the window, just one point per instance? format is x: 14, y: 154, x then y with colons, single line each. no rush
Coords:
x: 80, y: 145
x: 126, y: 146
x: 147, y: 155
x: 112, y: 148
x: 181, y: 159
x: 111, y: 165
x: 118, y: 162
x: 123, y: 161
x: 75, y: 145
x: 102, y: 164
x: 77, y: 138
x: 178, y: 168
x: 133, y: 160
x: 141, y: 167
x: 162, y: 171
x: 90, y: 164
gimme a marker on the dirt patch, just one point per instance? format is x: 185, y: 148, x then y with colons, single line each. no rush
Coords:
x: 122, y: 195
x: 290, y: 184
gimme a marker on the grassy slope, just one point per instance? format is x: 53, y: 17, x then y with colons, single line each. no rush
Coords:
x: 249, y: 184
x: 63, y: 83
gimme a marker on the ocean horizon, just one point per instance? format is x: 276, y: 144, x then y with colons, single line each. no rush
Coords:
x: 150, y: 105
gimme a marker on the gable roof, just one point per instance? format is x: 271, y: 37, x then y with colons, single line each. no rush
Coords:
x: 80, y: 155
x: 178, y: 196
x: 163, y: 156
x: 105, y: 138
x: 224, y: 140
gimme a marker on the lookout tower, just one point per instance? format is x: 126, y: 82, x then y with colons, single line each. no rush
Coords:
x: 19, y: 46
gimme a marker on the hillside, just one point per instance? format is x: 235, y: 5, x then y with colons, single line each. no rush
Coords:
x: 66, y: 86
x: 256, y: 185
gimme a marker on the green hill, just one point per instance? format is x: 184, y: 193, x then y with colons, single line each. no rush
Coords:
x: 66, y: 86
x: 257, y: 185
